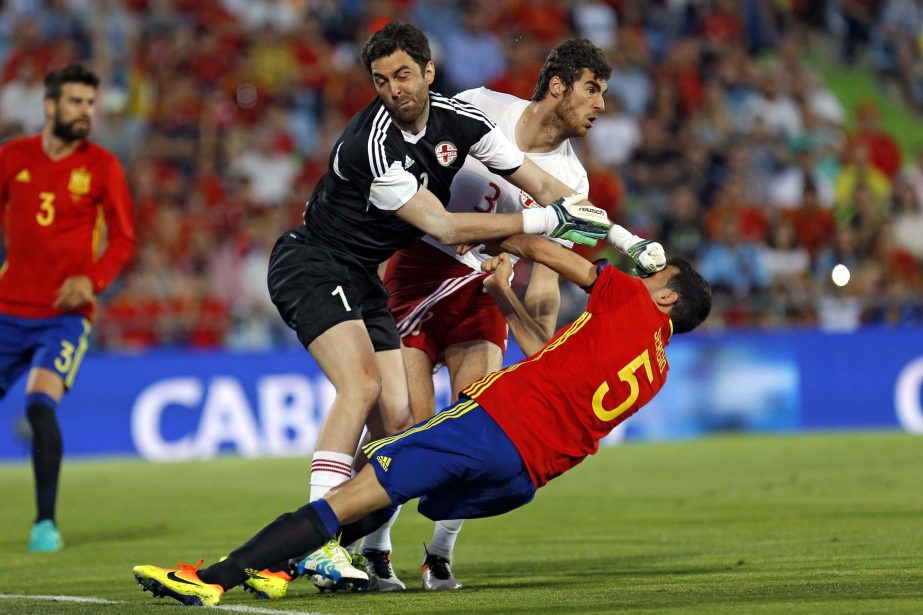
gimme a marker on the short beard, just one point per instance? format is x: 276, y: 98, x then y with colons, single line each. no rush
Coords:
x: 67, y: 132
x: 563, y: 114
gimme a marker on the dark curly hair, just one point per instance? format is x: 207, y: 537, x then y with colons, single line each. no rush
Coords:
x: 694, y: 303
x: 567, y: 61
x: 397, y: 35
x: 72, y: 73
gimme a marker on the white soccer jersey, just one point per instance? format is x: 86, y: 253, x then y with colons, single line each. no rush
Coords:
x: 476, y: 189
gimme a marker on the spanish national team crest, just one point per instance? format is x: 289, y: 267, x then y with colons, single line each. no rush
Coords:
x: 446, y: 153
x: 525, y: 200
x: 79, y: 183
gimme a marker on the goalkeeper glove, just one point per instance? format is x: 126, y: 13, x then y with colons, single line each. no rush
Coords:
x: 648, y: 256
x: 569, y: 219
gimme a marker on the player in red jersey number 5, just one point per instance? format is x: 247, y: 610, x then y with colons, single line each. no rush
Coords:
x: 512, y: 431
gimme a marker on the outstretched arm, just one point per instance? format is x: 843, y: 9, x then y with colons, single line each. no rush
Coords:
x: 571, y: 266
x: 543, y: 297
x: 568, y: 218
x: 529, y: 332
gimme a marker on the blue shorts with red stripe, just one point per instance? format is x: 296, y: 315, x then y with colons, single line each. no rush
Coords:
x: 56, y: 343
x: 459, y: 463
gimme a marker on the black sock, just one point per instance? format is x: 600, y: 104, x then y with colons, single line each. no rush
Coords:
x: 291, y: 535
x: 350, y: 533
x: 46, y: 457
x: 366, y: 525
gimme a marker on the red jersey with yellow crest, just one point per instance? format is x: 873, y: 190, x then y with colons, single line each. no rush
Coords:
x: 56, y: 216
x: 593, y: 374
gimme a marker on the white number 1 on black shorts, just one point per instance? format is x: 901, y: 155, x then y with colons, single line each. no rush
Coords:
x: 339, y: 290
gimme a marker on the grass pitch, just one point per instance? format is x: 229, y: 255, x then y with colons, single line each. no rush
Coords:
x: 795, y: 524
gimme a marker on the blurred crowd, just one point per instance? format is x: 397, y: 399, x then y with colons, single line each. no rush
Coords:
x: 718, y: 139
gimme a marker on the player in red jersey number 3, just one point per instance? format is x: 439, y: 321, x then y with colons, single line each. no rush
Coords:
x: 58, y: 192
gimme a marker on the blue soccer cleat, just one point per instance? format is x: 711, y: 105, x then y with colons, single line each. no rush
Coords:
x: 45, y: 537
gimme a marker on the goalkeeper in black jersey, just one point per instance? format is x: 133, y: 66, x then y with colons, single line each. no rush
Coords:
x: 387, y: 184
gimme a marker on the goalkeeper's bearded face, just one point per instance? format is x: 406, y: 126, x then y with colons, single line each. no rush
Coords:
x: 403, y: 87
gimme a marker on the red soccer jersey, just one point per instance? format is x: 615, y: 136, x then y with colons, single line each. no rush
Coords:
x: 557, y: 404
x: 52, y: 223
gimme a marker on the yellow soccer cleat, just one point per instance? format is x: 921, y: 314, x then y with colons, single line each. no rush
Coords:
x: 266, y: 584
x: 181, y: 583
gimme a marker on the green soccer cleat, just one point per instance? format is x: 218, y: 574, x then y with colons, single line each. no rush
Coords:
x: 267, y: 585
x: 181, y: 583
x: 45, y: 537
x: 330, y: 567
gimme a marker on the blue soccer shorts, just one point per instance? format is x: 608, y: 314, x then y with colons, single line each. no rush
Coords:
x: 56, y: 343
x: 459, y: 463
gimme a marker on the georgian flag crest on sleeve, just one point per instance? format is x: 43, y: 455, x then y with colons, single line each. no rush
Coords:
x: 526, y: 200
x: 446, y: 153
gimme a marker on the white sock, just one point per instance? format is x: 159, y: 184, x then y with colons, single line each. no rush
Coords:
x: 380, y: 539
x: 329, y: 469
x: 444, y: 536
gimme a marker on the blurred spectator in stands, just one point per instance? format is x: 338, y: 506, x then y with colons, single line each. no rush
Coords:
x: 200, y: 318
x: 630, y: 81
x: 865, y: 213
x: 27, y: 46
x: 896, y: 47
x: 721, y: 26
x: 114, y: 128
x: 60, y: 22
x: 884, y: 153
x: 907, y: 220
x: 839, y: 309
x: 437, y: 18
x: 682, y: 231
x: 596, y: 20
x: 788, y: 263
x: 858, y: 170
x: 731, y: 263
x: 523, y: 63
x: 774, y: 106
x: 912, y: 175
x: 711, y: 123
x: 805, y: 85
x: 823, y: 138
x: 732, y: 204
x: 473, y: 54
x: 546, y: 20
x: 21, y: 99
x: 278, y: 15
x: 606, y: 191
x: 615, y: 134
x: 241, y: 266
x: 788, y: 185
x: 859, y: 17
x: 813, y: 223
x: 657, y: 163
x: 268, y: 162
x: 682, y: 69
x: 843, y: 250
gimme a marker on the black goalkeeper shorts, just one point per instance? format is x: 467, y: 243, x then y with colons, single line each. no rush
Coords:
x: 315, y: 288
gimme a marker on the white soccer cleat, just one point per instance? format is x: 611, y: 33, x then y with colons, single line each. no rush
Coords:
x: 330, y: 567
x: 379, y: 563
x: 437, y: 574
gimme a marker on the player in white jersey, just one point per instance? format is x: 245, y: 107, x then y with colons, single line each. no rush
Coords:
x: 443, y: 313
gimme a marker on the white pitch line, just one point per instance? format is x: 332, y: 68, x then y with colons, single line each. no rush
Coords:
x: 60, y: 598
x: 235, y: 608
